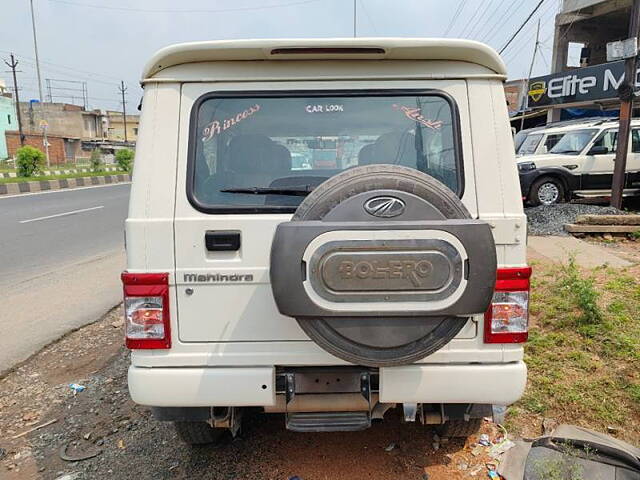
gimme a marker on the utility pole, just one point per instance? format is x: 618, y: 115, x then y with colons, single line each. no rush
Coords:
x: 35, y: 45
x: 626, y: 94
x: 44, y: 125
x: 124, y: 109
x: 12, y: 66
x: 355, y: 13
x: 533, y: 60
x: 50, y: 95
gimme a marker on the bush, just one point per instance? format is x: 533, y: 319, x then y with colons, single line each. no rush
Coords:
x: 124, y: 158
x: 29, y: 161
x: 96, y: 160
x: 583, y: 292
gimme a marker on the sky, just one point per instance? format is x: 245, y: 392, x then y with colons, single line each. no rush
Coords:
x: 103, y: 42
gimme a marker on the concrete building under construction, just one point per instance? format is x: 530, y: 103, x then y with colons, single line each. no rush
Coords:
x: 583, y: 28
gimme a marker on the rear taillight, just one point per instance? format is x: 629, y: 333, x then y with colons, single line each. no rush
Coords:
x: 146, y: 310
x: 507, y: 319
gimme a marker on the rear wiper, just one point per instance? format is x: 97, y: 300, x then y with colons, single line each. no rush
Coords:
x: 301, y: 191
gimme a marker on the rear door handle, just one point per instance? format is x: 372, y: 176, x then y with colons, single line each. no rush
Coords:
x: 222, y: 241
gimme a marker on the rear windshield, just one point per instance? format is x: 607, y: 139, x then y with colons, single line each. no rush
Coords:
x: 529, y: 145
x: 275, y: 146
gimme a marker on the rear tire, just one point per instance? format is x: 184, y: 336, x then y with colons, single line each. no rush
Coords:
x: 444, y: 205
x: 198, y: 433
x: 547, y: 191
x: 459, y: 428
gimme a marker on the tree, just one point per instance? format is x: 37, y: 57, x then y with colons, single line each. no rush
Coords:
x: 124, y: 158
x: 29, y: 161
x: 96, y: 160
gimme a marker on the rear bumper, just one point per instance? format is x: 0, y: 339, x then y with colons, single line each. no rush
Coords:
x: 500, y: 384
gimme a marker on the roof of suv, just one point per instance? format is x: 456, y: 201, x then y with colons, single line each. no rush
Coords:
x: 327, y: 49
x: 603, y: 122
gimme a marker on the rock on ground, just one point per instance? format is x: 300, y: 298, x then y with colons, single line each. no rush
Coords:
x: 550, y: 219
x: 133, y: 445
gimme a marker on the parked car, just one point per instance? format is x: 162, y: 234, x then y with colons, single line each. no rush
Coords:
x: 536, y: 140
x: 580, y: 164
x: 539, y: 140
x: 395, y: 276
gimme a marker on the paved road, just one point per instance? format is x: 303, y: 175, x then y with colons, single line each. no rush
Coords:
x: 61, y: 254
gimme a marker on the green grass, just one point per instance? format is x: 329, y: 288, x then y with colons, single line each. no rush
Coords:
x: 583, y: 352
x: 58, y: 177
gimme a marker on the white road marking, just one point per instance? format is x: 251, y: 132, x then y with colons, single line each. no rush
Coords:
x: 73, y: 212
x: 64, y: 190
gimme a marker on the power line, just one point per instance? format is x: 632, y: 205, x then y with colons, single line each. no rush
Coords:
x: 544, y: 58
x: 366, y: 12
x: 500, y: 22
x: 527, y: 34
x: 570, y: 25
x: 58, y: 66
x: 496, y: 10
x: 454, y: 18
x: 222, y: 10
x: 469, y: 22
x: 523, y: 41
x: 485, y: 11
x: 522, y: 26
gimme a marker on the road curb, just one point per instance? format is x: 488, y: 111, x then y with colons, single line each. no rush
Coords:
x: 65, y: 183
x: 59, y: 172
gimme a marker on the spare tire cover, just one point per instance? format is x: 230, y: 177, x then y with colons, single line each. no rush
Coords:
x: 381, y: 340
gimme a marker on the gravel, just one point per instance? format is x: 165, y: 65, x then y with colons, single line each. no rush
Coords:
x: 550, y: 219
x: 131, y: 444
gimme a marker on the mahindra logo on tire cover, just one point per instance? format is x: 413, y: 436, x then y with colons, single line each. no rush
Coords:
x: 384, y: 207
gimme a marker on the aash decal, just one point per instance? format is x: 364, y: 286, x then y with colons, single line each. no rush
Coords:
x: 215, y: 127
x: 416, y: 115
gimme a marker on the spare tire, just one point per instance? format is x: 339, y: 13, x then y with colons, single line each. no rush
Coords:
x: 388, y: 305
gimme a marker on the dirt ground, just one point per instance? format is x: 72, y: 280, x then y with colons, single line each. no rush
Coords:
x: 124, y: 441
x: 619, y: 245
x: 120, y: 440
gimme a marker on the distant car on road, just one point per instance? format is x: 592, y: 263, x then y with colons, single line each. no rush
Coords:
x: 579, y: 164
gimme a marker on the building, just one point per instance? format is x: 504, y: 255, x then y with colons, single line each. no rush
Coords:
x: 115, y: 126
x: 515, y: 90
x: 582, y: 30
x: 61, y: 149
x: 72, y: 132
x: 589, y: 25
x: 8, y: 118
x: 61, y: 119
x: 65, y: 125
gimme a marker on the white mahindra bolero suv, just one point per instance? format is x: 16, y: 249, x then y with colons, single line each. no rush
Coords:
x: 325, y: 229
x: 580, y: 163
